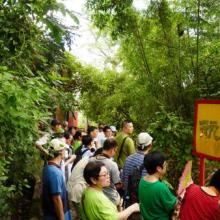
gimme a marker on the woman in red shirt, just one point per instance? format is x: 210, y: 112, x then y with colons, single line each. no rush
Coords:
x: 202, y: 203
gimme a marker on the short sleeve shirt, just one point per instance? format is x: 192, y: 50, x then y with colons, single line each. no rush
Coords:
x: 53, y: 184
x: 127, y: 149
x: 113, y: 170
x: 198, y: 205
x: 156, y: 200
x: 96, y: 206
x: 134, y: 160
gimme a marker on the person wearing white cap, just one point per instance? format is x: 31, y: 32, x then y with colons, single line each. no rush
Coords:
x: 114, y: 130
x: 54, y: 195
x: 135, y: 161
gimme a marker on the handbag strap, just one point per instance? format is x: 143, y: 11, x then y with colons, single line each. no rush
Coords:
x: 119, y: 155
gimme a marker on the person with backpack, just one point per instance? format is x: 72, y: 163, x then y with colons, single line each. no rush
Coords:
x: 133, y: 169
x: 85, y: 150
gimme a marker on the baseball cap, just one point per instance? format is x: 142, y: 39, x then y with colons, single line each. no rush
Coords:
x: 57, y: 145
x: 144, y: 139
x: 113, y: 128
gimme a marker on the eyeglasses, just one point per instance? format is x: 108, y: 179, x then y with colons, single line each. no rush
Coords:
x: 104, y: 174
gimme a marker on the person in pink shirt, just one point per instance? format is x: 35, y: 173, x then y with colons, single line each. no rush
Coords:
x: 202, y: 203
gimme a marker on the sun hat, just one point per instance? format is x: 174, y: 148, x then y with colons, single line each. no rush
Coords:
x: 57, y: 145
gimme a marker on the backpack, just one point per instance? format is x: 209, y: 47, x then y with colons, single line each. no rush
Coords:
x: 79, y: 153
x: 131, y: 196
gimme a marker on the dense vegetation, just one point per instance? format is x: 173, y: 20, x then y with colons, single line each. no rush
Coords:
x: 169, y: 55
x: 35, y: 78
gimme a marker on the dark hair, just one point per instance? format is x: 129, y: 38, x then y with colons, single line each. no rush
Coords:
x: 106, y: 128
x: 100, y: 126
x: 66, y: 135
x: 92, y: 170
x: 215, y: 180
x: 153, y: 160
x: 141, y: 147
x: 77, y: 135
x: 91, y: 129
x: 109, y: 143
x: 71, y: 127
x: 98, y: 151
x: 86, y: 140
x: 55, y: 122
x: 124, y: 123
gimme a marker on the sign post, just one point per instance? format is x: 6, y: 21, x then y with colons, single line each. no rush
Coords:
x: 202, y: 171
x: 206, y: 133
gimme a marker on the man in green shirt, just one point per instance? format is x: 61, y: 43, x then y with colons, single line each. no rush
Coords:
x: 125, y: 143
x: 156, y: 200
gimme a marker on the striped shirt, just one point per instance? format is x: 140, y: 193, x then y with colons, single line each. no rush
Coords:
x: 132, y: 161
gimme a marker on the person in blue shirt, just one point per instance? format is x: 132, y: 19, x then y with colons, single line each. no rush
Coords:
x: 54, y: 195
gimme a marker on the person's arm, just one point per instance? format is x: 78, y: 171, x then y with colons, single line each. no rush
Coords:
x: 70, y: 160
x: 42, y: 149
x: 115, y: 176
x: 58, y: 206
x: 128, y: 211
x: 130, y: 146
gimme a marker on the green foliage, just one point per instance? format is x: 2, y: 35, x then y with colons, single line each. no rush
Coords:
x: 170, y: 57
x: 21, y: 109
x: 173, y: 136
x: 35, y: 78
x: 158, y: 46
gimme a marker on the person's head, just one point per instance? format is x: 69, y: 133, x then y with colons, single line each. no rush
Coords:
x: 65, y: 125
x: 108, y: 132
x: 114, y: 130
x: 144, y: 142
x: 110, y: 146
x: 55, y: 125
x: 87, y: 140
x: 127, y: 127
x: 101, y: 126
x: 92, y: 131
x: 155, y: 162
x: 72, y: 130
x: 98, y: 151
x: 215, y: 180
x: 68, y: 137
x: 96, y: 174
x: 56, y: 149
x: 78, y: 135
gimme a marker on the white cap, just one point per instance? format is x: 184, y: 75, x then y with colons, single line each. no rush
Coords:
x: 144, y: 139
x: 57, y: 145
x: 113, y: 128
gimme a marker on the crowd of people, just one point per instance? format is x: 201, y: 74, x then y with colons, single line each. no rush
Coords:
x: 102, y: 174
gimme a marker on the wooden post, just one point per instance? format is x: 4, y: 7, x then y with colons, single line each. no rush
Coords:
x: 202, y: 171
